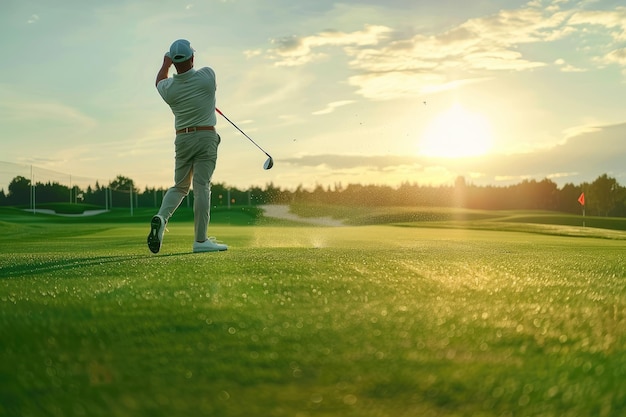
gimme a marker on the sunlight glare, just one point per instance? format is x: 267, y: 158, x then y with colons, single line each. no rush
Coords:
x: 457, y: 133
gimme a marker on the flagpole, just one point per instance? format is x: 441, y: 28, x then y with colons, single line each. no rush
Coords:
x: 583, y: 216
x: 581, y: 200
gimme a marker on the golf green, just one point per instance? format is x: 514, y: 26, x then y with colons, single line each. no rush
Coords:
x: 294, y: 320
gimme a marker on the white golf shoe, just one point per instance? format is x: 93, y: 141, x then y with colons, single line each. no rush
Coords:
x: 209, y: 245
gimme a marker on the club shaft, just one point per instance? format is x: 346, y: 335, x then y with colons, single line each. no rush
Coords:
x: 242, y: 132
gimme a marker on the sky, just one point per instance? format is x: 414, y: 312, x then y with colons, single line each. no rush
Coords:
x: 357, y: 91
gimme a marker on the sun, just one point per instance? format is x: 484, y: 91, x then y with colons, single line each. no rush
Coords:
x: 457, y: 133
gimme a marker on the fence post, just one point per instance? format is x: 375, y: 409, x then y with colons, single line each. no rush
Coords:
x: 32, y: 190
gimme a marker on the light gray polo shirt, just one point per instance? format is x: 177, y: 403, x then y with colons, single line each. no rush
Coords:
x: 191, y: 96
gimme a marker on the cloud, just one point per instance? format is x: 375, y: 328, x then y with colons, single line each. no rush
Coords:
x: 33, y: 19
x: 389, y: 66
x: 605, y: 19
x: 404, y: 84
x: 251, y: 53
x: 293, y: 50
x: 473, y: 49
x: 28, y: 111
x: 565, y: 67
x: 608, y: 23
x: 332, y: 106
x: 617, y: 56
x: 352, y: 161
x: 593, y: 151
x: 509, y: 28
x: 589, y: 151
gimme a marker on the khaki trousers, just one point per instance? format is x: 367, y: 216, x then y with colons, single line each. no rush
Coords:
x: 196, y: 156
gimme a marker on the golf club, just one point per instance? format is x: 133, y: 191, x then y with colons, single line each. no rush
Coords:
x: 270, y: 162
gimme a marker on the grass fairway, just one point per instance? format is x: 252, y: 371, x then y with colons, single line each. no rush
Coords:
x: 357, y: 321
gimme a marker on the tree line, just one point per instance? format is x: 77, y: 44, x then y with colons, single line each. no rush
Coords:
x: 603, y: 197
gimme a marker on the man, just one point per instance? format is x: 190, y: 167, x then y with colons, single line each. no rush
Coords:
x: 191, y: 96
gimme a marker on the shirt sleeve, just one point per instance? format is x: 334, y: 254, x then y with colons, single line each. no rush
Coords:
x: 209, y: 74
x: 163, y: 86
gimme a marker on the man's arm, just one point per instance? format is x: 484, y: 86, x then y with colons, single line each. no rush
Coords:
x: 165, y: 69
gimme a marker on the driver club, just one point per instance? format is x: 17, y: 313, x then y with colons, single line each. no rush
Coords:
x: 270, y: 162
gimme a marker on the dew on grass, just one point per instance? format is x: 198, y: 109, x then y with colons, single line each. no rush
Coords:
x: 317, y: 398
x: 349, y: 399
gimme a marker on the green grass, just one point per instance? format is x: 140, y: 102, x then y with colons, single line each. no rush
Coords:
x: 366, y: 321
x: 514, y: 220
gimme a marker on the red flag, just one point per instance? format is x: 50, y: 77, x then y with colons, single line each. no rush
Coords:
x: 581, y: 199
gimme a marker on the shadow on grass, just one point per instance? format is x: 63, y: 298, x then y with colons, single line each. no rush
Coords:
x: 33, y: 268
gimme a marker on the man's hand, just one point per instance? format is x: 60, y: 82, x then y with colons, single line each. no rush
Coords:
x: 165, y: 68
x: 167, y: 60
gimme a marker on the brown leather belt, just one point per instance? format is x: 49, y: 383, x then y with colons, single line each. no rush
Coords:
x: 194, y: 128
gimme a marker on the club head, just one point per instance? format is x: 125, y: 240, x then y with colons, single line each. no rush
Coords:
x: 268, y: 164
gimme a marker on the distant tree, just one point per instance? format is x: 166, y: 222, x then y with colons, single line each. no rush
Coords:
x: 319, y: 195
x: 121, y: 188
x: 219, y: 195
x: 121, y: 183
x: 96, y: 195
x: 19, y: 191
x: 273, y: 194
x: 567, y: 198
x: 52, y: 192
x: 603, y: 195
x: 546, y: 194
x: 150, y: 197
x: 620, y: 205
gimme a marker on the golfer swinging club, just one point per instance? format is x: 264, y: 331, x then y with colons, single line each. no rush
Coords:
x: 191, y: 96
